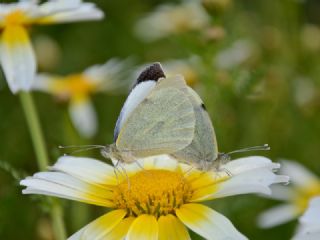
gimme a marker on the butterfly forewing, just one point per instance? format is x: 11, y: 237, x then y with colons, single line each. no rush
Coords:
x: 162, y: 123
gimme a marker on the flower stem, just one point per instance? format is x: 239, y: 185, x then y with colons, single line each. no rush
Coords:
x: 42, y: 157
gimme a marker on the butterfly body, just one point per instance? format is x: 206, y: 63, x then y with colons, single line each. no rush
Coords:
x: 112, y: 152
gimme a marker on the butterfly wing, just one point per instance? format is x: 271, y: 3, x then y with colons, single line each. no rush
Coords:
x: 162, y: 123
x: 203, y: 150
x: 144, y: 84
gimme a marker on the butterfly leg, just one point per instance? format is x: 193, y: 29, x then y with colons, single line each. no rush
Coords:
x: 115, y: 169
x: 125, y: 172
x: 187, y: 173
x: 226, y: 171
x: 139, y: 165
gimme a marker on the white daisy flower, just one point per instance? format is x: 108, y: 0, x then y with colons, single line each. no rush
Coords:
x: 76, y: 89
x: 172, y: 19
x: 304, y: 186
x: 17, y: 56
x: 157, y: 198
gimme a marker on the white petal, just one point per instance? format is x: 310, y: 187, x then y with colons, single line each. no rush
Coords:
x: 61, y: 12
x: 311, y: 216
x: 83, y: 117
x: 310, y: 234
x: 99, y: 228
x: 144, y: 227
x: 309, y: 228
x: 208, y: 223
x: 277, y: 215
x: 62, y: 185
x: 17, y: 58
x: 252, y: 174
x: 249, y: 163
x: 300, y: 176
x: 87, y: 169
x: 44, y: 82
x: 248, y: 175
x: 165, y: 162
x: 155, y: 162
x: 28, y: 7
x: 254, y: 181
x: 128, y: 169
x: 110, y: 76
x: 55, y: 6
x: 170, y: 227
x: 280, y: 192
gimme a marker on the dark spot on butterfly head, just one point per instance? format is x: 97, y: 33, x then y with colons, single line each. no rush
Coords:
x: 153, y: 72
x: 203, y: 107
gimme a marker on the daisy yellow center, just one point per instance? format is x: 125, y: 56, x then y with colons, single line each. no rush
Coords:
x: 305, y: 194
x: 15, y: 18
x: 76, y: 85
x: 155, y: 192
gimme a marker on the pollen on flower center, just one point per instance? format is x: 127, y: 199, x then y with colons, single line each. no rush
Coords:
x: 156, y: 192
x: 15, y: 18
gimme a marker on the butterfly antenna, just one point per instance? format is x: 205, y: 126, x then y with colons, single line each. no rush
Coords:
x: 264, y: 147
x: 80, y: 148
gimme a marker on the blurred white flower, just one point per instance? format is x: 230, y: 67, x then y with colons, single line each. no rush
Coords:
x: 16, y: 52
x: 48, y: 52
x: 172, y: 19
x: 239, y: 52
x: 310, y: 37
x: 304, y: 186
x: 77, y: 88
x: 188, y: 67
x: 309, y: 228
x: 304, y: 91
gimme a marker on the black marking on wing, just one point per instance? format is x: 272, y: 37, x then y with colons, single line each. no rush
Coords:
x: 203, y: 107
x: 153, y: 72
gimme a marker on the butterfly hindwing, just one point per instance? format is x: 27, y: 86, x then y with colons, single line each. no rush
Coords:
x: 203, y: 150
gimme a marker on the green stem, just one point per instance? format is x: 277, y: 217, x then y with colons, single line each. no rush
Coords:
x: 42, y: 157
x: 57, y: 221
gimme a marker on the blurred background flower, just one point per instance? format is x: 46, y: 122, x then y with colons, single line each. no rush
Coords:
x: 172, y: 19
x: 78, y: 87
x: 17, y: 56
x: 304, y: 186
x: 240, y: 52
x: 190, y: 68
x: 47, y: 51
x: 309, y: 228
